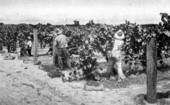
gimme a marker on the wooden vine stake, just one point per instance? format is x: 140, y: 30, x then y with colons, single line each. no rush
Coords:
x: 54, y: 51
x: 151, y: 55
x: 35, y: 45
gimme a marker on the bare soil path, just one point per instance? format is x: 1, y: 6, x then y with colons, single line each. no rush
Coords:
x: 26, y: 84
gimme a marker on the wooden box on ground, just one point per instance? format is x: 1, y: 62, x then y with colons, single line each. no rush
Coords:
x: 9, y: 58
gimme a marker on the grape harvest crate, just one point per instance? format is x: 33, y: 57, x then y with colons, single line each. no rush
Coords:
x: 9, y: 58
x: 28, y: 61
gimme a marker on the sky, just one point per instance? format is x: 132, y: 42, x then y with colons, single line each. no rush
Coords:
x: 66, y: 11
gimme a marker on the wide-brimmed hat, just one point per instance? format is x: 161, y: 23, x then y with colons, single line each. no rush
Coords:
x: 59, y: 31
x: 119, y: 35
x: 29, y: 37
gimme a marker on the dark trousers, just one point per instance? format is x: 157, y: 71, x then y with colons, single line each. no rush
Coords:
x: 29, y: 51
x: 62, y: 57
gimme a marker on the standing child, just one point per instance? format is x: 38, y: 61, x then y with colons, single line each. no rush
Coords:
x: 29, y: 46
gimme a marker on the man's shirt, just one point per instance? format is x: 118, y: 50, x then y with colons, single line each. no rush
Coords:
x: 29, y: 43
x: 61, y: 41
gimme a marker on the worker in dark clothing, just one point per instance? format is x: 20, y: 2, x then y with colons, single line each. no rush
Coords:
x: 62, y: 55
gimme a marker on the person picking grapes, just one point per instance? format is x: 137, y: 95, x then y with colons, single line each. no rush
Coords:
x: 61, y: 44
x: 115, y: 60
x: 29, y: 46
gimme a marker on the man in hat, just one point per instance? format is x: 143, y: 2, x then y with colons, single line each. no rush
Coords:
x: 29, y: 46
x: 61, y: 44
x: 115, y: 60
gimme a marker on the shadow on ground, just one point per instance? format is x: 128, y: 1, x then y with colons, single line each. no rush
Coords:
x: 163, y: 98
x: 51, y: 70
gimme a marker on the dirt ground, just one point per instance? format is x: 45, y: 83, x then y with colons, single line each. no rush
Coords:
x: 26, y: 84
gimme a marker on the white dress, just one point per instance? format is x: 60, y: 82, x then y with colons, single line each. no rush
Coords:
x: 117, y: 53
